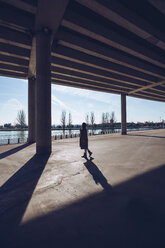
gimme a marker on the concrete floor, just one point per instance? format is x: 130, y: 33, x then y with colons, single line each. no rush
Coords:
x: 114, y: 199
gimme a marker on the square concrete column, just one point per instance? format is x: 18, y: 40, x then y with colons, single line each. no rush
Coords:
x: 31, y: 109
x: 123, y: 115
x: 43, y: 91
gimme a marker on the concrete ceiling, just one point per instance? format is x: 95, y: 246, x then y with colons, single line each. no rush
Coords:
x: 105, y: 45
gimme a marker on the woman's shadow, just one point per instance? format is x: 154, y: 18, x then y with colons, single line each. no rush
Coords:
x: 97, y: 175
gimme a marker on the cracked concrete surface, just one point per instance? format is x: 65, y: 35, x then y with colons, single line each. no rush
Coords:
x: 114, y: 199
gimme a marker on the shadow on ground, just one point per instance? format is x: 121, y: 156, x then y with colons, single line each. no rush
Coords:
x: 130, y: 215
x: 15, y: 195
x: 14, y: 150
x: 148, y: 136
x: 97, y: 175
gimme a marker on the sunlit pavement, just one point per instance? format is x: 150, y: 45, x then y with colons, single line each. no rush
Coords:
x: 113, y: 199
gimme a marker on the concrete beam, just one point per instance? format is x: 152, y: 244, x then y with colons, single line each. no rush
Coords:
x: 64, y: 74
x: 161, y: 87
x: 93, y: 48
x: 98, y: 63
x: 13, y: 74
x: 159, y: 4
x: 21, y: 5
x: 123, y: 115
x: 152, y: 92
x: 119, y: 14
x: 5, y: 59
x: 147, y: 87
x: 162, y: 90
x: 108, y: 36
x: 31, y: 109
x: 149, y: 93
x: 95, y: 85
x: 14, y: 50
x: 73, y: 77
x: 141, y: 95
x: 13, y: 43
x: 14, y: 37
x: 13, y: 68
x: 71, y: 71
x: 16, y: 17
x: 83, y: 86
x: 73, y: 66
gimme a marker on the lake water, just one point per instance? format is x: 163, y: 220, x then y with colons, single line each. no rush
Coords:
x: 13, y: 136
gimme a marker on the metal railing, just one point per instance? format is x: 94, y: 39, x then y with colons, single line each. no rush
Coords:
x: 7, y: 141
x: 16, y: 140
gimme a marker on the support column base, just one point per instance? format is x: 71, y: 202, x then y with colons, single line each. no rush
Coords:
x: 43, y: 150
x: 30, y: 141
x: 123, y: 115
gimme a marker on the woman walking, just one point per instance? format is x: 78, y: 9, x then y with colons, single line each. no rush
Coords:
x: 84, y: 140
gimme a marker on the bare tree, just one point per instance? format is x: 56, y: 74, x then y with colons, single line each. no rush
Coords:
x: 63, y: 120
x: 70, y: 120
x: 106, y: 117
x: 103, y: 121
x: 87, y: 119
x: 70, y: 123
x: 112, y: 119
x: 92, y: 120
x: 21, y: 118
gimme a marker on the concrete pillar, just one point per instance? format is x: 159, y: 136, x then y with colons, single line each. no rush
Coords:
x: 123, y: 115
x: 31, y: 110
x: 43, y: 92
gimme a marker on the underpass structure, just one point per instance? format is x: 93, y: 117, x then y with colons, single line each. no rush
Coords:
x: 104, y: 45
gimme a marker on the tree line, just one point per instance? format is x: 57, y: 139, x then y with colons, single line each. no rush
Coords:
x: 20, y: 121
x: 108, y: 120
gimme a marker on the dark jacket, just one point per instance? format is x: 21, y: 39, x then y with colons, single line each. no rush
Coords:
x: 83, y: 139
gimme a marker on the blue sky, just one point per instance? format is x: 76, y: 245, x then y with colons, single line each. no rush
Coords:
x: 14, y: 96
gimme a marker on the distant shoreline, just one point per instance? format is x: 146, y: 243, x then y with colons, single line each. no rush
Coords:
x: 26, y: 129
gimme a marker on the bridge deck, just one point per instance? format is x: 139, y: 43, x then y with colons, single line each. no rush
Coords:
x: 109, y: 46
x: 115, y: 199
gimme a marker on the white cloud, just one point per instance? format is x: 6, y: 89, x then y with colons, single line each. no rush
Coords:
x: 88, y: 101
x: 90, y: 105
x: 13, y: 103
x: 9, y: 110
x: 56, y: 101
x: 97, y: 96
x: 24, y: 80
